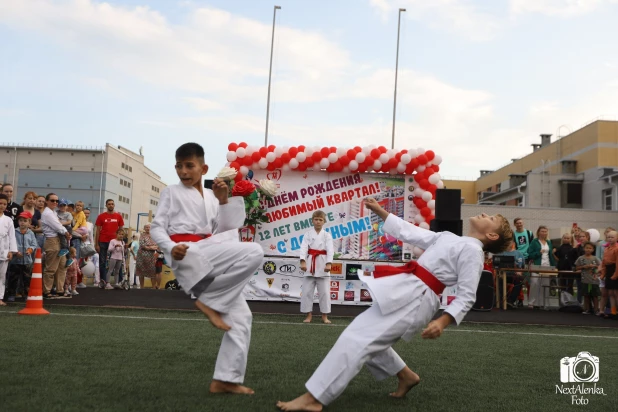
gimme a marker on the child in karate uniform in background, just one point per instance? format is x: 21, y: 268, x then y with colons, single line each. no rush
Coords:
x: 213, y: 268
x: 405, y: 300
x: 317, y: 249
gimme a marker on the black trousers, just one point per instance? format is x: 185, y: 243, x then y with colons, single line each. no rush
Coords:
x: 19, y: 278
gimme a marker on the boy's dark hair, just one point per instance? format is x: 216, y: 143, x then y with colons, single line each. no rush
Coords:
x: 109, y: 200
x: 589, y: 244
x: 5, y: 197
x: 517, y: 219
x: 189, y: 150
x: 120, y: 231
x: 504, y: 241
x: 49, y: 195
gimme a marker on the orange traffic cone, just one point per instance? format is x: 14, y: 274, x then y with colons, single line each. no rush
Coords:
x: 34, y: 304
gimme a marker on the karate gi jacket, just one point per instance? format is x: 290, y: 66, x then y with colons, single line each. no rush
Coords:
x: 7, y: 237
x: 317, y: 241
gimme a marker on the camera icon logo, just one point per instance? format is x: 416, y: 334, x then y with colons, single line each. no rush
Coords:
x: 582, y: 368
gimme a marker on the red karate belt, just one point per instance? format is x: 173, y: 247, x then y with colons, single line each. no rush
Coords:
x: 411, y: 267
x: 314, y: 253
x: 187, y: 237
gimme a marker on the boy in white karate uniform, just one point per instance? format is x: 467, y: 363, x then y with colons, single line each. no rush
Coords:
x: 317, y: 248
x: 210, y: 267
x: 8, y: 243
x: 405, y: 300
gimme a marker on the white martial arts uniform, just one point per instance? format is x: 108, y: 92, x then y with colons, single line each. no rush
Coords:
x: 215, y: 269
x: 319, y: 278
x: 8, y: 243
x: 402, y: 306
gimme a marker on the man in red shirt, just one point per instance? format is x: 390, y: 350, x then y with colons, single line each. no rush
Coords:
x: 107, y: 225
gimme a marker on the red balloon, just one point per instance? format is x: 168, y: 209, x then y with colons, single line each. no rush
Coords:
x: 369, y: 161
x: 392, y: 163
x: 398, y: 156
x: 424, y: 184
x: 324, y: 151
x: 232, y: 147
x: 302, y: 167
x: 430, y: 154
x: 425, y: 211
x: 238, y: 177
x: 351, y: 154
x: 333, y: 149
x: 285, y: 157
x: 404, y: 151
x: 428, y: 172
x: 247, y: 161
x: 309, y: 162
x: 375, y: 153
x: 358, y: 149
x: 382, y: 149
x: 385, y: 168
x: 345, y: 160
x: 263, y: 151
x: 417, y: 201
x: 429, y: 218
x: 243, y: 145
x: 432, y: 189
x: 301, y: 148
x: 421, y: 203
x: 422, y: 159
x: 256, y: 156
x: 409, y: 169
x: 337, y: 166
x: 418, y: 177
x: 278, y: 163
x: 414, y: 163
x: 292, y: 152
x: 270, y: 167
x: 235, y: 165
x: 271, y: 148
x: 435, y: 168
x: 362, y: 168
x: 316, y: 156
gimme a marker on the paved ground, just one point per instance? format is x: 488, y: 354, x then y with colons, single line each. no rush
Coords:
x: 167, y: 299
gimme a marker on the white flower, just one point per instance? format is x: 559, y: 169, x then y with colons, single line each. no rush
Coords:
x: 268, y: 187
x: 227, y: 173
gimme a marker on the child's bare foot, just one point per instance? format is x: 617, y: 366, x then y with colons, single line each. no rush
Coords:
x: 213, y: 316
x: 407, y: 381
x: 325, y: 319
x: 228, y: 387
x: 308, y: 318
x: 305, y: 402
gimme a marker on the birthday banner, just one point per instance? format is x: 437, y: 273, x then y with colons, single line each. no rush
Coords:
x: 357, y: 233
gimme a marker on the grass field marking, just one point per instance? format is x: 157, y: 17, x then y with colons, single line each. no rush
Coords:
x: 332, y: 325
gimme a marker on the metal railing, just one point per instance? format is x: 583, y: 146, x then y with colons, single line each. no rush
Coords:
x: 52, y: 146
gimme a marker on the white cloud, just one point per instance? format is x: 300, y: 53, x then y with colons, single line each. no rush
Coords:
x: 561, y: 8
x: 460, y: 17
x: 204, y: 104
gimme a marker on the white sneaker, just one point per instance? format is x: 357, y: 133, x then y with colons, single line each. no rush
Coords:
x: 118, y: 286
x: 193, y: 297
x: 81, y: 285
x: 74, y: 292
x: 108, y: 287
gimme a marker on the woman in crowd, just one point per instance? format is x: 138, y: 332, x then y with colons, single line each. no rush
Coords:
x: 540, y: 252
x: 39, y: 205
x: 146, y: 257
x: 133, y: 251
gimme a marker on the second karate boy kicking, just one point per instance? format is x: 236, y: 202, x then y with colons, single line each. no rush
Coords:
x: 405, y: 300
x: 213, y: 268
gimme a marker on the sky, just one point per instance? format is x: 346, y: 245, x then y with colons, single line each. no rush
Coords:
x: 478, y: 81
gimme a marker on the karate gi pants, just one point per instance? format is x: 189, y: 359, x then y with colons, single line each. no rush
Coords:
x: 309, y: 285
x: 535, y: 293
x: 221, y: 290
x: 4, y: 265
x: 368, y: 341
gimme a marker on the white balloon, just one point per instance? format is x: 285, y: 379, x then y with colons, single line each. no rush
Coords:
x: 88, y: 269
x: 431, y: 204
x: 346, y: 169
x: 420, y: 151
x: 324, y: 163
x: 405, y: 158
x: 426, y: 196
x: 383, y: 158
x: 285, y: 168
x: 440, y: 185
x: 420, y: 169
x: 353, y: 165
x: 419, y: 218
x: 594, y: 235
x: 308, y: 151
x: 270, y: 157
x: 256, y: 166
x: 360, y: 157
x: 415, y: 184
x: 227, y: 164
x: 434, y: 178
x: 417, y: 251
x: 241, y: 152
x: 418, y: 192
x: 437, y: 160
x: 393, y: 171
x: 278, y: 151
x: 341, y: 151
x: 366, y: 151
x: 231, y: 156
x: 401, y: 167
x: 250, y: 150
x: 391, y: 153
x: 424, y: 225
x: 263, y: 163
x: 333, y: 157
x: 293, y: 163
x: 244, y: 170
x: 413, y: 153
x: 377, y: 165
x: 301, y: 157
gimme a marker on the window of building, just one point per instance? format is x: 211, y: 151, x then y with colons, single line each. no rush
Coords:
x: 123, y: 166
x: 130, y: 169
x: 119, y: 198
x: 607, y: 199
x: 571, y: 196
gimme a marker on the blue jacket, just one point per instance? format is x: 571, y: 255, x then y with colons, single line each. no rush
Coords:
x: 25, y: 241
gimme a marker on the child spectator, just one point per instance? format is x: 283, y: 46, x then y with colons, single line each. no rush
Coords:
x: 70, y: 283
x: 608, y: 271
x: 79, y: 217
x: 65, y: 220
x: 115, y: 257
x: 317, y: 245
x: 566, y: 255
x: 20, y: 267
x: 8, y: 244
x: 588, y: 265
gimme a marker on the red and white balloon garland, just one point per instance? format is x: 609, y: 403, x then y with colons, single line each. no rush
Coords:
x: 422, y: 165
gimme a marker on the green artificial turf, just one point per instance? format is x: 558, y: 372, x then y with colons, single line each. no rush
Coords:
x: 89, y: 359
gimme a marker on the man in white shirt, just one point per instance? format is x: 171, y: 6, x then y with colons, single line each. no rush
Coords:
x: 404, y: 304
x: 55, y: 266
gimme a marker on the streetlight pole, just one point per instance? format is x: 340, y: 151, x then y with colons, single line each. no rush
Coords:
x: 396, y: 69
x: 270, y: 71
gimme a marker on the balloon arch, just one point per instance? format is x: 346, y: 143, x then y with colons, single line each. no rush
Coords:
x: 422, y: 165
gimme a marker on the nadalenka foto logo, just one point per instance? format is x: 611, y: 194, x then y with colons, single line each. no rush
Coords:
x: 582, y: 373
